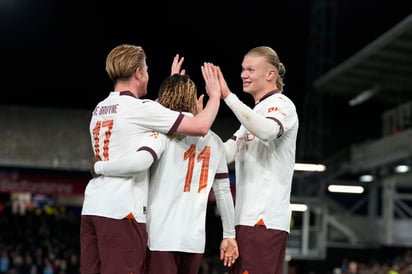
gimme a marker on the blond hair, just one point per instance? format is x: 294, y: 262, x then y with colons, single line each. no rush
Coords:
x: 272, y: 58
x: 179, y: 92
x: 123, y: 60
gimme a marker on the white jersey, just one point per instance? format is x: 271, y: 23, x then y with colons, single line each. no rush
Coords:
x: 117, y: 126
x: 264, y: 168
x: 180, y: 183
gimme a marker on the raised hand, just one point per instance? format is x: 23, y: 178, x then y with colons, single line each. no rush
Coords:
x: 177, y: 65
x: 223, y: 85
x: 209, y: 72
x: 200, y: 102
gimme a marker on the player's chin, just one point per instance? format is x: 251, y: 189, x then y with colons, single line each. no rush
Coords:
x: 246, y: 87
x: 247, y: 90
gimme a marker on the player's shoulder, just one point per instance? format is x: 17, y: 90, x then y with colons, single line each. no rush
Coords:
x: 213, y: 135
x: 280, y: 100
x: 137, y: 104
x: 282, y: 97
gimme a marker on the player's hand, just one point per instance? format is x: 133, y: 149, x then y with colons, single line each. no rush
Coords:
x: 200, y: 102
x: 225, y: 91
x: 95, y: 159
x: 229, y: 251
x: 209, y: 72
x: 177, y: 65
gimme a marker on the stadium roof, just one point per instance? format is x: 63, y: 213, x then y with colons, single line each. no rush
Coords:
x: 381, y: 71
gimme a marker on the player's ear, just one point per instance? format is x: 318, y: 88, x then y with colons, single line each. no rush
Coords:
x: 138, y: 73
x: 272, y: 74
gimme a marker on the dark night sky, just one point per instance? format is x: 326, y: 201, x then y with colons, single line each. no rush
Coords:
x: 53, y: 52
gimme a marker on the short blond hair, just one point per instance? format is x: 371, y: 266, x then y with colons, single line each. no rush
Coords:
x: 123, y: 60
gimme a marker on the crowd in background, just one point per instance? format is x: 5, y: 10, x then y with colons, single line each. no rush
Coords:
x: 39, y: 241
x: 379, y: 260
x: 400, y: 264
x: 46, y: 241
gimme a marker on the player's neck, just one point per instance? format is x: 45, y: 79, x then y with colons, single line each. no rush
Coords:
x: 124, y: 86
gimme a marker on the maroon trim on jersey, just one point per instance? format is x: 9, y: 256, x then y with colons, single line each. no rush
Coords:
x: 233, y: 138
x: 173, y: 129
x: 268, y: 94
x: 148, y: 149
x: 221, y: 175
x: 281, y: 130
x: 128, y: 93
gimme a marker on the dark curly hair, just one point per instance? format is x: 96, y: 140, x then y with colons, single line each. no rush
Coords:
x: 179, y: 92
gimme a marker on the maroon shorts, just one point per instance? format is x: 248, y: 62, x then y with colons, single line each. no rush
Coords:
x: 173, y: 262
x: 261, y: 250
x: 111, y: 245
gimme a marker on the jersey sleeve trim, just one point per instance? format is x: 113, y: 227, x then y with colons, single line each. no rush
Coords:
x: 173, y: 129
x: 221, y: 175
x: 281, y: 129
x: 151, y: 151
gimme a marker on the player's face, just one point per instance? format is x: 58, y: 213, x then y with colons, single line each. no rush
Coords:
x: 255, y: 71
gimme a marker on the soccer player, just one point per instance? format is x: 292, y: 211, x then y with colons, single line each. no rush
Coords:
x: 263, y: 149
x: 188, y: 167
x: 113, y: 236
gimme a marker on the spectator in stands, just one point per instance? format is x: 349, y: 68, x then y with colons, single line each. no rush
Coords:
x: 4, y: 260
x: 352, y: 267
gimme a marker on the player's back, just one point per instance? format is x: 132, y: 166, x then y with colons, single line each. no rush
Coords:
x: 114, y: 134
x: 180, y: 184
x: 119, y: 122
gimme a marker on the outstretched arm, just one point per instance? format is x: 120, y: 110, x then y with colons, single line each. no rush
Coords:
x: 202, y: 122
x: 262, y: 127
x: 126, y: 166
x: 149, y: 151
